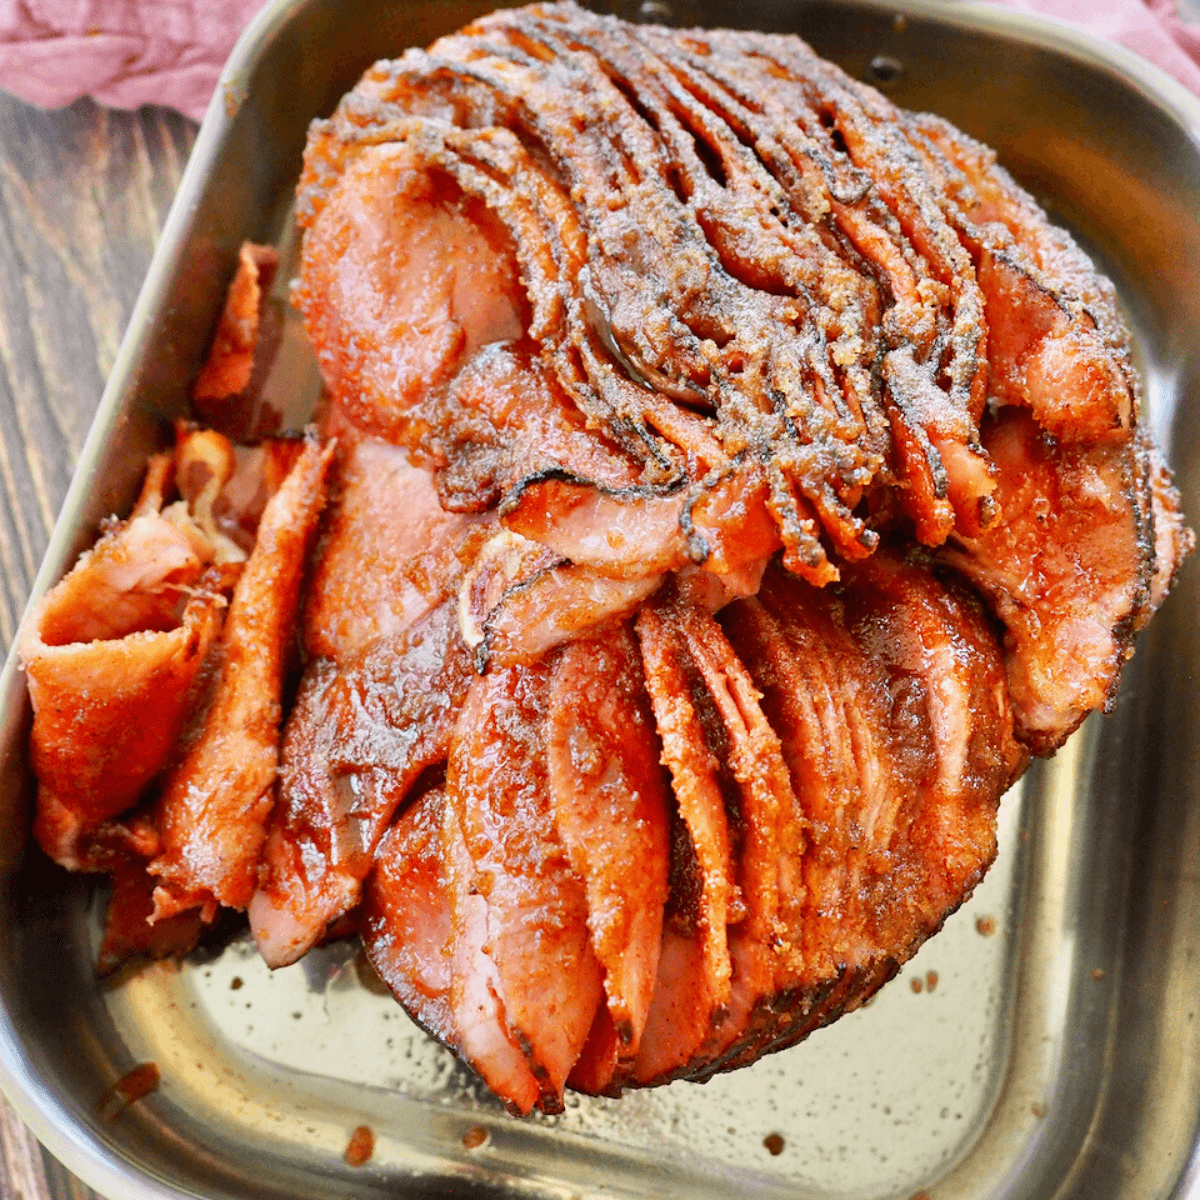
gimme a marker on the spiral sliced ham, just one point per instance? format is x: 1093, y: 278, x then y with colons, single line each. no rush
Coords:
x: 737, y: 480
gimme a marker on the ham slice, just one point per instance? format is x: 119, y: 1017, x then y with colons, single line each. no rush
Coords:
x: 214, y: 806
x: 548, y: 977
x: 610, y: 800
x: 355, y: 744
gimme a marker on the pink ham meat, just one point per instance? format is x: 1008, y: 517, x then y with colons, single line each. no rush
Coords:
x: 425, y: 929
x: 387, y: 553
x: 765, y: 944
x: 548, y: 977
x: 483, y: 1034
x: 214, y: 806
x: 888, y: 694
x: 692, y: 989
x: 378, y: 701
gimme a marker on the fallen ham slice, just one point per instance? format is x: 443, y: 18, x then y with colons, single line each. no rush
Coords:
x: 115, y: 650
x: 214, y: 806
x: 128, y: 932
x: 227, y: 394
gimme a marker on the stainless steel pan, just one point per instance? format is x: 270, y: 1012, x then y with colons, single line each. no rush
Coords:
x: 1053, y: 1048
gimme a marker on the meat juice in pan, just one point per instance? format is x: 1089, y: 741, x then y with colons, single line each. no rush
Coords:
x: 948, y: 487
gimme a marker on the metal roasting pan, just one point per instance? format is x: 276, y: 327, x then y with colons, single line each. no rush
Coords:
x: 1057, y: 1057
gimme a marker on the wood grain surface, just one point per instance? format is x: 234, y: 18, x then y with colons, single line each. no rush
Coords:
x: 84, y: 193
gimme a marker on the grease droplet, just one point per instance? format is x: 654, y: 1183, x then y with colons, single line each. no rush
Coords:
x: 985, y: 926
x: 475, y: 1137
x: 884, y: 69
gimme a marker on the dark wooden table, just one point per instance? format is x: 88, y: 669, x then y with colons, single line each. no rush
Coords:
x: 84, y: 193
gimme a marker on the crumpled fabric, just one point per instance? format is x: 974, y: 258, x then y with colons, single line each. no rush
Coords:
x: 126, y: 53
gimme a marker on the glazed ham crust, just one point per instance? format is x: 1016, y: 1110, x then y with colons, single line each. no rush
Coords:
x: 761, y: 308
x: 733, y: 481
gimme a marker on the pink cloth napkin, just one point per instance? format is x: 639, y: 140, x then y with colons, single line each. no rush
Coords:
x: 122, y: 52
x: 131, y: 52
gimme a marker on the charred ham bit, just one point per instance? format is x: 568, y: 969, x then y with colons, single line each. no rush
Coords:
x: 227, y: 394
x: 214, y: 806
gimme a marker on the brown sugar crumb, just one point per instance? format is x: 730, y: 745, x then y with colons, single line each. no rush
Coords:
x: 931, y: 980
x: 1038, y: 1109
x: 985, y: 926
x: 133, y: 1085
x: 774, y: 1143
x: 917, y: 985
x: 1098, y: 974
x: 475, y: 1137
x: 361, y: 1146
x: 235, y: 983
